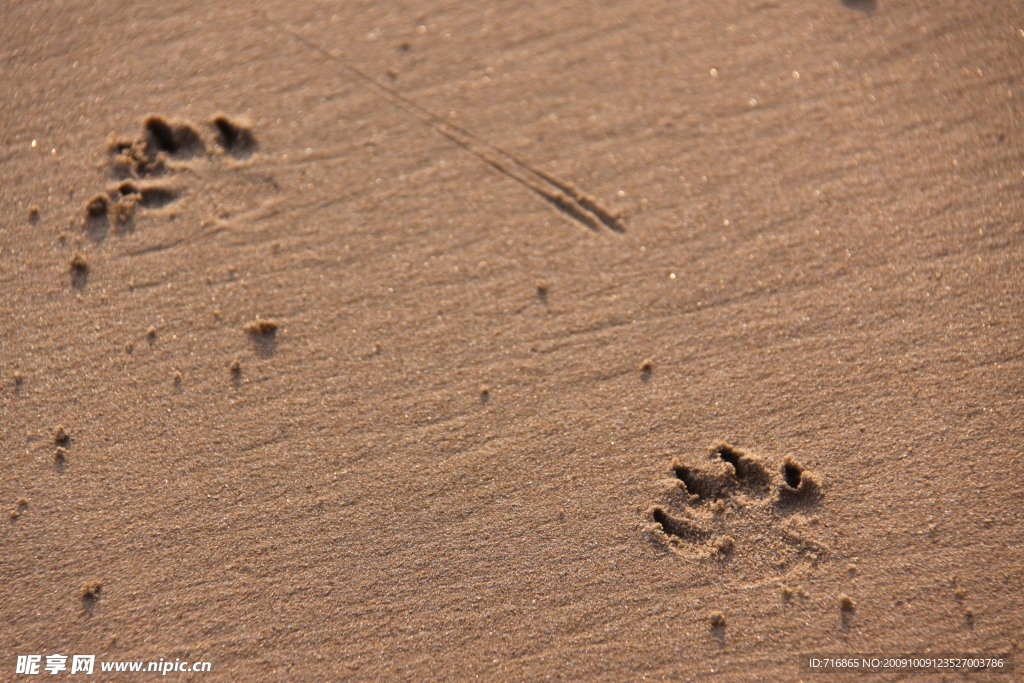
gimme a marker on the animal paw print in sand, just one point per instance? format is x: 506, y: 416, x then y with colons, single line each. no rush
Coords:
x: 733, y: 506
x: 146, y: 166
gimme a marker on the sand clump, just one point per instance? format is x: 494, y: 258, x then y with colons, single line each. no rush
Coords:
x: 263, y: 327
x: 61, y: 436
x: 19, y: 508
x: 91, y: 590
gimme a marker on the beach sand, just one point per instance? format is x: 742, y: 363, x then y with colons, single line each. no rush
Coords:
x: 508, y: 340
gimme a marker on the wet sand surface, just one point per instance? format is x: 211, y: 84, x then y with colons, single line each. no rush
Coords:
x: 430, y: 339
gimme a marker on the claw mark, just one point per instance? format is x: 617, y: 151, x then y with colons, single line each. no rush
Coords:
x: 563, y: 195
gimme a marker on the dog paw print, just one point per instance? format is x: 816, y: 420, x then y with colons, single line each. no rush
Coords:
x: 733, y: 506
x: 162, y: 149
x: 158, y: 145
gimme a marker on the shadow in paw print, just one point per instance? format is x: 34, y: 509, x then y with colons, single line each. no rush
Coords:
x: 749, y: 472
x: 798, y: 488
x: 156, y: 196
x: 730, y: 469
x: 705, y: 486
x: 235, y: 138
x: 678, y: 527
x: 176, y: 139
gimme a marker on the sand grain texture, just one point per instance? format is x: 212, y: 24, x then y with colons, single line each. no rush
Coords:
x: 484, y: 436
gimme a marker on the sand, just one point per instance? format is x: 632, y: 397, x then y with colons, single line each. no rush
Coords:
x: 445, y: 340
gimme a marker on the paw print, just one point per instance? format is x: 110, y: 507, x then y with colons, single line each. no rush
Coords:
x: 732, y: 506
x: 165, y: 149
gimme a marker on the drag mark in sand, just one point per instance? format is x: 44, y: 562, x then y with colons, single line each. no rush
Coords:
x: 561, y: 194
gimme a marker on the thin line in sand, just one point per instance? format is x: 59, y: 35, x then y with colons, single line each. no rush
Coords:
x: 562, y: 195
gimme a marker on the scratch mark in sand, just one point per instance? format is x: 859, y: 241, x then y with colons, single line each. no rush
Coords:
x: 562, y: 195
